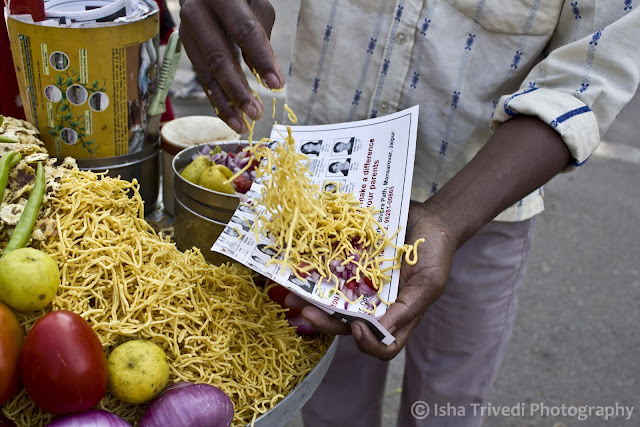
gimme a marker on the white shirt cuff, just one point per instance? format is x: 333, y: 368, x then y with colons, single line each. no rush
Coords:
x: 566, y: 114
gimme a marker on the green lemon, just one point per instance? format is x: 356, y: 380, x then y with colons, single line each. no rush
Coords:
x: 29, y: 279
x: 214, y: 179
x: 138, y: 371
x: 194, y: 169
x: 225, y: 171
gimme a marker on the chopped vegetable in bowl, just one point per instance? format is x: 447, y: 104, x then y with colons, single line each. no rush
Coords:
x: 234, y: 161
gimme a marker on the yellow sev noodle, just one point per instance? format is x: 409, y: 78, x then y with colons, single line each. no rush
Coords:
x: 312, y: 227
x: 214, y: 324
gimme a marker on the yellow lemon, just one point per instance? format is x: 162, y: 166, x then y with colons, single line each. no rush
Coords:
x: 225, y: 171
x: 29, y: 279
x: 194, y: 169
x: 138, y: 371
x: 214, y: 180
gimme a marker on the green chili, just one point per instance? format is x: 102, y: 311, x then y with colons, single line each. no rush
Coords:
x: 7, y: 140
x: 23, y: 229
x: 15, y: 160
x: 6, y: 163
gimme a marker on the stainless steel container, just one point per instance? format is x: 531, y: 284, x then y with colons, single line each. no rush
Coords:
x: 144, y: 165
x: 182, y: 133
x: 193, y: 229
x: 201, y: 214
x: 213, y: 199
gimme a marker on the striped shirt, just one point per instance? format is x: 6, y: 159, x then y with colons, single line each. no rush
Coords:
x: 470, y: 65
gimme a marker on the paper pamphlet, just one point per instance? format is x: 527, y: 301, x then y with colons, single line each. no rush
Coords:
x: 373, y: 159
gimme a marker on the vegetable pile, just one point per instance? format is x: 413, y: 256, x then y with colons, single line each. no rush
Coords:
x: 212, y: 168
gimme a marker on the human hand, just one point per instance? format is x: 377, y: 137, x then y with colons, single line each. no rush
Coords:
x: 208, y: 30
x: 420, y: 285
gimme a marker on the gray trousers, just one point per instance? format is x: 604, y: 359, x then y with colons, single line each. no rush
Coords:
x: 452, y: 357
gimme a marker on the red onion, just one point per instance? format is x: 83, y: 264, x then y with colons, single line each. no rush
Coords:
x: 373, y: 300
x: 366, y: 290
x: 315, y: 276
x: 90, y: 418
x: 351, y: 296
x: 189, y: 405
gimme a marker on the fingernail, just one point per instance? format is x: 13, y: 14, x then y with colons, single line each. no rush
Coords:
x: 357, y: 332
x: 272, y: 80
x: 235, y: 125
x: 250, y: 110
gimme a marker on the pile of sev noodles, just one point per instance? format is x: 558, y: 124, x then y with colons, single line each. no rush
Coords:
x: 214, y: 324
x: 313, y: 227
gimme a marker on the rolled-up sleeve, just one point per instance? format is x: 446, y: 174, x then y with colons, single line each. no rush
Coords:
x: 586, y: 78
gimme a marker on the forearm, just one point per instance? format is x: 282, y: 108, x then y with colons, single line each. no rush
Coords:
x: 522, y: 155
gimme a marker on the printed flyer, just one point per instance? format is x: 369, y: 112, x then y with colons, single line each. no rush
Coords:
x: 372, y: 159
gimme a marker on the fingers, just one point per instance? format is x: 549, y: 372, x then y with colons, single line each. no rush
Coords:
x: 368, y: 343
x: 294, y: 301
x: 266, y: 14
x: 319, y: 319
x: 323, y: 322
x: 216, y: 63
x: 223, y: 106
x: 411, y: 303
x: 209, y: 29
x: 245, y: 22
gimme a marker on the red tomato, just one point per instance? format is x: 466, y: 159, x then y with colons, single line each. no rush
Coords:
x: 277, y: 294
x: 242, y: 184
x: 369, y: 284
x: 63, y: 366
x: 11, y: 339
x: 301, y: 273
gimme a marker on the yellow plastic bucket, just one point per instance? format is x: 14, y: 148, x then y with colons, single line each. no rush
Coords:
x: 87, y: 89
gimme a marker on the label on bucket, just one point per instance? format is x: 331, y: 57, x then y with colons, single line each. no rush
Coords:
x: 87, y: 89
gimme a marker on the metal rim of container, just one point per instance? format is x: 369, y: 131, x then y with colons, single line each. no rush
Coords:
x: 125, y: 160
x: 189, y: 203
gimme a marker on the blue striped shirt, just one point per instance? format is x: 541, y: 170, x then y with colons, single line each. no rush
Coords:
x: 470, y: 65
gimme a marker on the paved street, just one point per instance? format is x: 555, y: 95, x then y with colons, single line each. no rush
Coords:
x: 576, y: 340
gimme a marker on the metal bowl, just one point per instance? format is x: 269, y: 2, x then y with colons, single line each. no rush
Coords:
x: 210, y: 198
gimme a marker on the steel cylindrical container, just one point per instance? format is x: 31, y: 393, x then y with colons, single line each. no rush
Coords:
x: 182, y: 133
x: 144, y: 165
x: 201, y: 214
